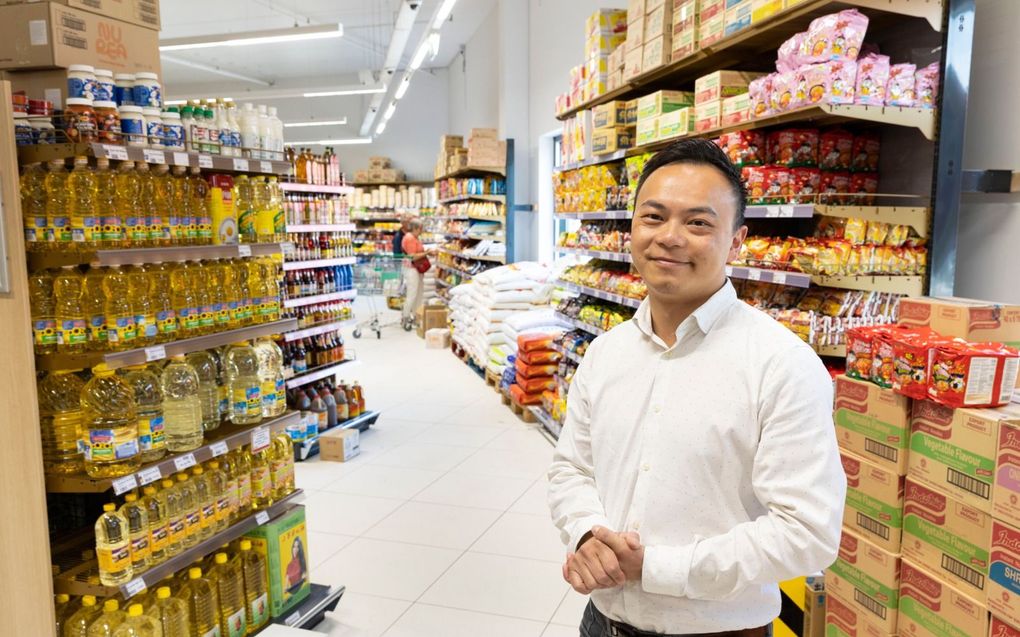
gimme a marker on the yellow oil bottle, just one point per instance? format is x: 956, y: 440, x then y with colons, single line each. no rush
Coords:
x: 172, y: 613
x: 136, y: 223
x: 241, y: 460
x: 58, y: 219
x: 231, y: 292
x: 113, y: 547
x: 245, y: 205
x: 77, y: 625
x: 33, y: 206
x: 162, y: 302
x: 60, y: 421
x: 229, y: 579
x: 72, y: 334
x: 204, y: 298
x: 207, y: 502
x: 192, y: 509
x: 216, y: 478
x: 81, y: 202
x: 159, y: 524
x: 111, y: 224
x: 256, y: 586
x: 93, y: 302
x: 138, y: 532
x: 203, y: 605
x: 44, y: 320
x: 258, y: 291
x: 140, y: 298
x: 201, y: 217
x: 138, y: 624
x: 181, y: 211
x: 245, y: 300
x: 120, y: 316
x: 149, y: 404
x: 262, y: 478
x: 108, y: 621
x: 109, y: 425
x: 175, y: 515
x: 162, y: 199
x: 183, y: 300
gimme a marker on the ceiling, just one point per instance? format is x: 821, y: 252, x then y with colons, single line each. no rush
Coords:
x: 320, y: 65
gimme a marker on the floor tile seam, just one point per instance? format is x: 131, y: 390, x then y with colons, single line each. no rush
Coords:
x: 479, y: 612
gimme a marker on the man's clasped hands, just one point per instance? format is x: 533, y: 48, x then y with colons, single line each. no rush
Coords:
x: 606, y: 559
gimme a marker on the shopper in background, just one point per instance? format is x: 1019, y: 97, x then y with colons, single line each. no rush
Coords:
x: 398, y: 237
x: 414, y: 282
x: 698, y: 464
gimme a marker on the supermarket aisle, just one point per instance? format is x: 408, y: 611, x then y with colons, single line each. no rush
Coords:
x: 440, y: 527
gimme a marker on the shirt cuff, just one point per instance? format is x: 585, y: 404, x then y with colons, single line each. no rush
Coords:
x: 583, y: 526
x: 666, y: 570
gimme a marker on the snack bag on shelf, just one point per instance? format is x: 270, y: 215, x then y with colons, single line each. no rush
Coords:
x: 834, y: 187
x: 760, y: 90
x: 804, y: 184
x: 777, y: 184
x: 536, y: 385
x: 522, y: 397
x: 532, y: 342
x: 539, y: 357
x: 872, y: 78
x: 754, y: 178
x: 836, y: 36
x: 832, y: 227
x: 863, y: 184
x: 835, y: 148
x: 926, y: 86
x: 797, y: 147
x: 825, y: 83
x: 744, y: 148
x: 859, y: 354
x: 788, y: 56
x: 865, y: 153
x: 973, y: 374
x: 900, y: 90
x: 784, y: 87
x: 912, y: 350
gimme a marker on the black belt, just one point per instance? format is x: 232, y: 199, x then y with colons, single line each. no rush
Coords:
x: 619, y: 629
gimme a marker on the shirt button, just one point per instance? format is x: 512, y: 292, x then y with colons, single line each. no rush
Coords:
x: 658, y: 409
x: 636, y: 526
x: 645, y: 467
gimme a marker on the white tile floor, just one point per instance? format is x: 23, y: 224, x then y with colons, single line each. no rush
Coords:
x: 440, y: 527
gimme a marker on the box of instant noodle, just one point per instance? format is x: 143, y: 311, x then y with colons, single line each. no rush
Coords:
x: 283, y: 543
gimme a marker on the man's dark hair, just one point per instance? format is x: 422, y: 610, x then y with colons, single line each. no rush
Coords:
x: 699, y: 151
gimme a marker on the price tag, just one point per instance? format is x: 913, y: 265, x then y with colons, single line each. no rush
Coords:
x: 261, y: 517
x: 125, y: 484
x: 241, y: 165
x: 779, y: 278
x: 218, y: 449
x: 729, y: 271
x: 786, y: 211
x: 134, y: 587
x: 259, y: 439
x: 182, y: 159
x: 754, y: 275
x: 155, y: 353
x: 293, y: 619
x: 266, y: 166
x: 150, y: 475
x: 154, y: 156
x: 771, y: 211
x: 116, y: 152
x: 185, y: 462
x: 205, y: 161
x: 243, y: 250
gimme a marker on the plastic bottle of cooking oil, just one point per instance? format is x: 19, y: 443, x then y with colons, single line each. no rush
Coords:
x: 244, y: 299
x: 93, y: 304
x: 60, y: 421
x: 120, y: 316
x: 172, y: 613
x: 183, y: 301
x: 225, y: 491
x: 229, y: 468
x: 113, y: 547
x: 270, y: 359
x: 204, y: 298
x: 110, y: 232
x: 264, y: 214
x: 128, y: 186
x: 180, y: 206
x: 63, y: 608
x: 138, y: 532
x: 162, y: 303
x: 108, y: 621
x: 202, y: 219
x: 149, y: 403
x: 256, y: 586
x: 162, y: 199
x: 140, y: 298
x: 261, y: 302
x: 214, y: 273
x: 282, y: 465
x: 231, y: 293
x: 241, y: 461
x: 262, y: 478
x: 271, y: 276
x: 276, y: 204
x: 182, y: 408
x: 192, y: 509
x: 44, y: 321
x: 221, y: 382
x: 109, y: 425
x: 58, y: 220
x: 243, y: 385
x: 170, y: 496
x: 67, y: 292
x: 159, y: 524
x: 33, y: 206
x: 81, y: 202
x: 77, y: 625
x: 207, y: 502
x: 147, y: 205
x: 244, y: 205
x: 138, y: 624
x: 229, y: 578
x: 208, y: 388
x: 203, y: 605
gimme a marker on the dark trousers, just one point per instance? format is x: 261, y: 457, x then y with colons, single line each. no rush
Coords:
x: 595, y: 624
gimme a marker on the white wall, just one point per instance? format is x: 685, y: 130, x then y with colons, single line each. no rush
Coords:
x: 988, y: 258
x: 473, y: 96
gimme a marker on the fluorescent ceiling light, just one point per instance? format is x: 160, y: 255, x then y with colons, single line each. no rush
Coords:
x: 419, y: 55
x: 380, y: 128
x: 333, y: 142
x: 403, y: 86
x: 250, y: 38
x: 390, y: 111
x: 359, y: 91
x: 443, y: 13
x: 321, y: 122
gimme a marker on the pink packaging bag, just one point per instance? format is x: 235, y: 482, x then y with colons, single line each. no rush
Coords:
x: 788, y: 58
x: 814, y: 82
x: 760, y: 90
x: 900, y: 90
x: 784, y: 86
x: 872, y: 78
x: 926, y: 86
x: 843, y: 76
x: 837, y: 36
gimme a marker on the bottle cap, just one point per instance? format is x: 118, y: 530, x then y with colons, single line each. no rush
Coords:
x: 135, y: 610
x: 214, y: 465
x: 163, y: 592
x: 63, y: 598
x: 167, y: 483
x: 131, y: 497
x: 198, y: 471
x: 181, y: 477
x: 194, y: 572
x: 149, y: 490
x: 102, y: 370
x: 111, y: 605
x: 221, y: 558
x: 109, y: 506
x: 88, y: 600
x: 81, y: 67
x: 245, y: 545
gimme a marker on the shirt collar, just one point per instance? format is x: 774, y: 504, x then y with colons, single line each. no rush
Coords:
x: 705, y: 316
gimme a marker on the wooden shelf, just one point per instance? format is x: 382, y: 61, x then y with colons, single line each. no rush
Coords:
x: 601, y: 294
x: 895, y: 284
x: 139, y: 256
x: 154, y: 156
x: 462, y: 198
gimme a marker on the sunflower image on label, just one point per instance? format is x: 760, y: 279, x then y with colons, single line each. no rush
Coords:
x: 260, y: 610
x: 61, y: 229
x: 237, y: 624
x: 112, y: 561
x: 45, y: 332
x: 71, y: 332
x: 121, y: 330
x: 236, y: 312
x: 112, y: 228
x: 97, y: 328
x: 110, y: 445
x: 166, y: 322
x: 150, y: 433
x: 189, y: 318
x: 207, y: 316
x: 145, y: 325
x: 247, y: 400
x: 137, y: 228
x: 222, y: 314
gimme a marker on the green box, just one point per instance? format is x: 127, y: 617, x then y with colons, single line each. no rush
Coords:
x: 661, y: 102
x: 283, y: 543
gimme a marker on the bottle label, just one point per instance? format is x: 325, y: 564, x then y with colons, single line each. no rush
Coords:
x: 97, y: 329
x: 166, y: 322
x: 154, y: 225
x: 176, y: 228
x: 159, y: 537
x: 112, y: 229
x: 249, y: 309
x: 223, y: 508
x: 110, y: 445
x: 237, y: 624
x: 215, y: 632
x: 137, y: 228
x: 61, y: 228
x: 123, y: 330
x: 151, y: 434
x: 246, y: 222
x: 71, y: 332
x: 145, y: 326
x: 247, y: 400
x: 279, y: 221
x: 261, y: 483
x: 244, y: 492
x: 268, y: 394
x: 192, y: 522
x: 222, y: 314
x: 84, y: 228
x: 279, y: 469
x: 189, y: 318
x: 281, y: 393
x: 177, y: 529
x: 114, y: 560
x: 236, y: 311
x: 45, y: 331
x: 224, y: 400
x: 139, y: 548
x: 259, y: 610
x: 208, y: 514
x: 207, y: 316
x: 205, y: 227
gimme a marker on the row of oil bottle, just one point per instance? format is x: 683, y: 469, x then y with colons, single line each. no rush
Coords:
x: 226, y: 595
x: 318, y: 313
x: 138, y: 207
x: 115, y: 308
x: 113, y: 422
x: 303, y: 246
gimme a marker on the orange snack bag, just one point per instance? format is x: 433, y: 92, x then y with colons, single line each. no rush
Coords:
x: 533, y: 342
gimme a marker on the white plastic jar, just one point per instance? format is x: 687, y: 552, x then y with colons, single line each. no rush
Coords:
x: 132, y: 126
x: 153, y: 126
x: 147, y: 91
x: 173, y: 130
x: 104, y: 85
x: 81, y: 81
x: 22, y: 130
x: 124, y: 89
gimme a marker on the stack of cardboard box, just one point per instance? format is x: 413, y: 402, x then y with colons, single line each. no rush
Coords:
x: 649, y: 36
x: 663, y: 115
x: 616, y: 62
x: 605, y: 31
x: 685, y: 29
x: 380, y: 169
x: 614, y: 126
x: 711, y: 90
x: 448, y: 147
x: 931, y: 537
x: 485, y: 149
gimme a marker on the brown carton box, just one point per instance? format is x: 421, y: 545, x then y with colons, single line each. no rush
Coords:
x: 635, y: 9
x: 711, y: 30
x: 931, y: 608
x: 685, y: 15
x: 868, y: 578
x: 615, y: 80
x: 722, y: 84
x: 948, y: 536
x: 486, y: 153
x: 632, y: 65
x: 710, y: 9
x: 843, y: 620
x: 873, y: 423
x: 1000, y: 628
x: 684, y: 43
x: 1004, y: 572
x: 874, y: 502
x: 656, y: 53
x: 483, y: 133
x: 609, y: 115
x: 978, y: 321
x: 143, y: 13
x: 1006, y: 486
x: 814, y: 613
x: 48, y: 35
x: 449, y: 142
x: 635, y: 35
x: 339, y: 445
x: 610, y: 140
x: 708, y: 116
x: 659, y: 22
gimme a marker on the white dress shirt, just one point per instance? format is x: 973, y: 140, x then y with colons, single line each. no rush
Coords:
x: 719, y: 451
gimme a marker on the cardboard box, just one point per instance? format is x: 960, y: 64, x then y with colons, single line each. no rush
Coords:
x: 597, y: 65
x: 710, y: 9
x: 684, y: 43
x: 977, y: 321
x: 606, y: 21
x: 438, y: 338
x: 873, y: 423
x: 632, y: 107
x: 930, y: 608
x: 616, y: 58
x: 707, y: 116
x: 874, y: 502
x: 46, y: 35
x: 436, y: 317
x: 843, y: 620
x: 955, y: 450
x: 659, y: 22
x: 635, y: 34
x: 738, y: 17
x: 635, y: 9
x: 378, y: 163
x: 486, y: 153
x: 656, y: 53
x: 1000, y: 628
x: 632, y: 65
x: 482, y: 133
x: 610, y: 140
x: 722, y: 84
x: 678, y: 123
x: 339, y: 445
x: 814, y: 613
x: 602, y: 44
x: 659, y: 102
x: 868, y: 578
x: 736, y: 109
x: 764, y: 9
x: 711, y: 30
x: 449, y: 142
x: 949, y: 536
x: 652, y: 5
x: 610, y: 114
x: 392, y: 174
x: 283, y: 543
x: 143, y: 13
x: 1004, y: 572
x: 1006, y: 485
x: 615, y: 80
x: 685, y: 15
x: 647, y: 131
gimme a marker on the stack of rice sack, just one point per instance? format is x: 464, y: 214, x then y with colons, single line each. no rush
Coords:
x: 540, y: 321
x: 535, y: 367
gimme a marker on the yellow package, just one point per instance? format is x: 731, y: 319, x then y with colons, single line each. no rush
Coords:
x: 877, y: 232
x: 855, y: 231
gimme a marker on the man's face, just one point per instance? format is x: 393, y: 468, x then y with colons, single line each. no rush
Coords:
x: 682, y: 233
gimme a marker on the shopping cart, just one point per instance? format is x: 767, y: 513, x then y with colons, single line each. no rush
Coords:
x: 378, y: 275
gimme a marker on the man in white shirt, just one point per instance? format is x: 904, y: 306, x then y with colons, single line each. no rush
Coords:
x: 698, y: 464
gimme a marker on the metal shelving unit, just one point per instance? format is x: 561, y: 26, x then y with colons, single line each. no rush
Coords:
x: 320, y: 298
x: 140, y: 256
x: 322, y: 189
x: 318, y: 373
x: 600, y: 294
x: 551, y: 426
x: 581, y: 325
x: 465, y: 255
x: 323, y: 599
x: 154, y: 156
x: 461, y: 198
x: 321, y: 227
x: 568, y: 354
x: 308, y: 448
x: 318, y: 263
x: 598, y: 254
x: 315, y: 330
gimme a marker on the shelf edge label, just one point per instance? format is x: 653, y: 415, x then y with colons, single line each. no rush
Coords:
x: 150, y: 475
x: 266, y: 166
x: 218, y: 448
x: 261, y: 517
x: 293, y: 619
x: 155, y: 353
x: 260, y: 439
x: 241, y: 165
x: 205, y: 161
x: 134, y: 587
x: 185, y: 462
x: 243, y: 250
x: 116, y: 152
x: 154, y: 156
x: 124, y: 484
x: 182, y: 159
